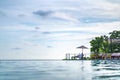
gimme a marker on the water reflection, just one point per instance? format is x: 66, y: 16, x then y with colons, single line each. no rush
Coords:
x: 60, y: 70
x: 106, y: 69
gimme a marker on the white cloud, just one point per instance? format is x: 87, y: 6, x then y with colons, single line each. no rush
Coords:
x: 18, y: 27
x: 64, y: 16
x: 104, y: 27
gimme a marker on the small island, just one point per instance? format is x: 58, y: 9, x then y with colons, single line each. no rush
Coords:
x: 102, y: 47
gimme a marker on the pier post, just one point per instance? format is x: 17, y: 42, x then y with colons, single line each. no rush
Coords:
x: 67, y: 56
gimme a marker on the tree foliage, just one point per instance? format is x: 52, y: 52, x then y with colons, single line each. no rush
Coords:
x: 102, y: 44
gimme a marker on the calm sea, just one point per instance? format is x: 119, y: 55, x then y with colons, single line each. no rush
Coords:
x: 60, y: 70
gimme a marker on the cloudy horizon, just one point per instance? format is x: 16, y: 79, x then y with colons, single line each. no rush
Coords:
x: 48, y: 29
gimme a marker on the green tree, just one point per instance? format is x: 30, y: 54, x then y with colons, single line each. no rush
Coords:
x: 115, y: 34
x: 96, y: 44
x: 104, y: 44
x: 115, y: 47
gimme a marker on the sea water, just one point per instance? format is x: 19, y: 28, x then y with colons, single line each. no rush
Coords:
x: 60, y: 70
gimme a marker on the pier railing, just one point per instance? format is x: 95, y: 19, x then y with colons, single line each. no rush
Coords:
x: 72, y: 56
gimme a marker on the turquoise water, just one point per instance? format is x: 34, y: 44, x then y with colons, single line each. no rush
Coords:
x: 60, y: 70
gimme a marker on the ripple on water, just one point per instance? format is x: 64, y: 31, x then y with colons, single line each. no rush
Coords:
x: 60, y: 70
x: 107, y: 70
x: 107, y: 77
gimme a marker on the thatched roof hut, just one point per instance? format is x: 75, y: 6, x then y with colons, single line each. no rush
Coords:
x: 115, y: 55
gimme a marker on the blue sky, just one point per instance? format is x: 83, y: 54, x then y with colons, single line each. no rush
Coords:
x: 47, y: 29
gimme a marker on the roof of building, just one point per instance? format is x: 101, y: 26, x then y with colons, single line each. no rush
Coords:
x: 115, y: 54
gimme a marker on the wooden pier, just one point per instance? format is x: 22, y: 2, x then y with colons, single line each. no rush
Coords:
x: 73, y: 56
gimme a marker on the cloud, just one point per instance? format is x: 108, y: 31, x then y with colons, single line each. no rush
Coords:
x: 46, y: 32
x: 92, y: 28
x: 17, y: 28
x: 49, y: 46
x: 114, y: 1
x: 67, y: 32
x: 64, y: 16
x: 43, y: 13
x: 2, y: 14
x: 21, y: 15
x: 86, y: 32
x: 92, y: 12
x: 58, y: 15
x: 17, y: 48
x: 99, y: 19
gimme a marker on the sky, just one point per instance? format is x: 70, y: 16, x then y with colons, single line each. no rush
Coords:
x: 48, y: 29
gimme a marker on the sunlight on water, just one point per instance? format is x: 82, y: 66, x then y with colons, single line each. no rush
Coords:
x: 60, y: 70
